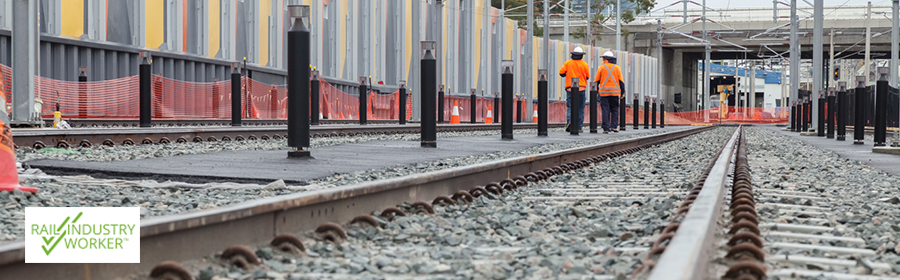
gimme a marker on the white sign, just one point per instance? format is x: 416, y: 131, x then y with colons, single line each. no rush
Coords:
x: 82, y: 235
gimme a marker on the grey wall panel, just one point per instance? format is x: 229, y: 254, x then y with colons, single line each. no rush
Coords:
x: 168, y: 70
x: 190, y: 72
x: 241, y: 49
x: 97, y: 66
x: 112, y: 64
x: 5, y: 50
x: 118, y: 22
x: 179, y: 70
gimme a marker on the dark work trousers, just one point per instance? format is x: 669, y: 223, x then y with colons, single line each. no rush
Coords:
x: 609, y: 110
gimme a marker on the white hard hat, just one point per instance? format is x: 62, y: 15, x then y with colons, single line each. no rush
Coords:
x: 608, y: 54
x: 578, y: 50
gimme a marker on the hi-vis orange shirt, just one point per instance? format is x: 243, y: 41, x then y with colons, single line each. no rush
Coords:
x: 576, y: 69
x: 608, y: 77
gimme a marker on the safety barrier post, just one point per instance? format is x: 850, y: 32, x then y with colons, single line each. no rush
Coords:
x: 842, y: 111
x: 577, y: 109
x: 440, y: 106
x: 635, y: 105
x: 820, y: 129
x: 623, y: 104
x: 363, y: 101
x: 235, y: 96
x: 881, y: 93
x: 859, y: 122
x: 794, y: 116
x: 662, y: 113
x: 830, y: 116
x: 804, y: 118
x: 82, y: 94
x: 314, y: 98
x: 506, y: 89
x: 542, y: 91
x: 401, y: 116
x: 653, y: 114
x: 593, y: 99
x: 145, y: 90
x: 429, y: 85
x: 298, y: 57
x: 496, y: 107
x: 519, y: 111
x: 273, y: 102
x: 646, y: 112
x: 472, y: 101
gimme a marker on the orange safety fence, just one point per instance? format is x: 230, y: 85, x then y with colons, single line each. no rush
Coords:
x: 118, y: 98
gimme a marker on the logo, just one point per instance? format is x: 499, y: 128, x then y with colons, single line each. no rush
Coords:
x: 82, y: 235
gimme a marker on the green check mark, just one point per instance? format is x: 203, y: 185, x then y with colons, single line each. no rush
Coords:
x: 46, y: 251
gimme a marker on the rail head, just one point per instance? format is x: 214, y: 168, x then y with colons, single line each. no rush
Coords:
x: 688, y: 254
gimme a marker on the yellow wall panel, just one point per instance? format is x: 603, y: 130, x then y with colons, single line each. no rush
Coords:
x: 214, y: 27
x: 154, y: 23
x: 510, y: 35
x: 265, y: 8
x: 72, y: 19
x: 407, y: 50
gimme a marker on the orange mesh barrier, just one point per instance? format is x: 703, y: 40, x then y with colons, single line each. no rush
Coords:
x: 116, y: 98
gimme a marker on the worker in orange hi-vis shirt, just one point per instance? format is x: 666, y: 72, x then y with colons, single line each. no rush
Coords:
x: 610, y: 88
x: 575, y: 68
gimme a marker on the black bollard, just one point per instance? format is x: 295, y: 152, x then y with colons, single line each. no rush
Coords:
x: 496, y: 108
x: 506, y: 89
x: 363, y: 111
x: 314, y: 98
x: 542, y: 91
x: 622, y: 105
x: 830, y: 115
x: 662, y: 113
x: 145, y: 103
x: 794, y: 116
x: 472, y: 100
x: 429, y: 85
x: 236, y: 97
x: 881, y: 94
x: 804, y: 120
x: 440, y: 106
x: 646, y: 112
x: 298, y: 73
x: 82, y: 94
x: 841, y: 113
x: 593, y: 105
x: 820, y: 129
x: 859, y: 122
x: 653, y: 115
x: 401, y: 116
x: 519, y: 113
x: 576, y: 106
x: 634, y: 109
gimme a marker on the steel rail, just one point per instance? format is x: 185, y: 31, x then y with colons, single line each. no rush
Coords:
x: 196, y: 234
x: 688, y: 254
x: 41, y: 138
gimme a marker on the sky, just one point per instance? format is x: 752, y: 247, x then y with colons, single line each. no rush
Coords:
x: 768, y: 3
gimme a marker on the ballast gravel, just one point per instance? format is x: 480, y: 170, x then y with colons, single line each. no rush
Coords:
x: 515, y: 235
x: 860, y: 201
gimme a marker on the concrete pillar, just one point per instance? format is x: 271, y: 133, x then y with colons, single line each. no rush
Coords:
x: 25, y: 62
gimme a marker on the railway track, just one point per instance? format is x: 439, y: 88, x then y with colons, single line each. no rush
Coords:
x: 194, y: 234
x: 643, y: 208
x: 42, y: 138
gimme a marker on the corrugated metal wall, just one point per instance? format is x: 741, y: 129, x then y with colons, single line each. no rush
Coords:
x: 197, y: 40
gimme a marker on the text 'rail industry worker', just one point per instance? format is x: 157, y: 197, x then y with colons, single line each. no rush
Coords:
x: 611, y: 88
x: 575, y: 68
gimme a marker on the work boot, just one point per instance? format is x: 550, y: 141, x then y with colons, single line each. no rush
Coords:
x: 616, y: 130
x: 567, y: 127
x: 606, y: 132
